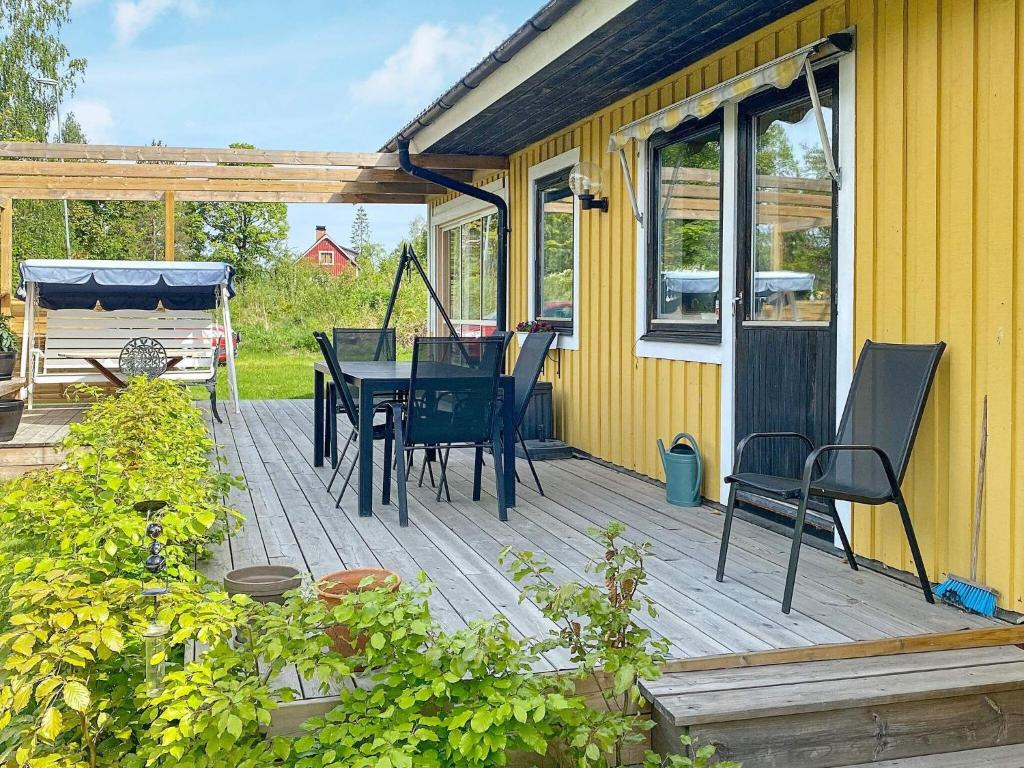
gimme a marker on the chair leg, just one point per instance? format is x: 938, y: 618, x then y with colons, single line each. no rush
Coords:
x: 794, y: 552
x: 478, y: 463
x: 723, y: 551
x: 499, y: 477
x: 915, y: 550
x: 529, y: 462
x: 850, y: 557
x: 337, y: 467
x: 403, y: 500
x: 385, y: 493
x: 348, y: 479
x: 442, y: 483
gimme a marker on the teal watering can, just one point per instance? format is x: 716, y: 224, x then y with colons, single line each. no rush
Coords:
x: 683, y: 471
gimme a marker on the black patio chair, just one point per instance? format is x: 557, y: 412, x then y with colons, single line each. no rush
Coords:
x: 355, y: 344
x: 452, y: 403
x: 350, y: 409
x: 527, y: 370
x: 868, y: 459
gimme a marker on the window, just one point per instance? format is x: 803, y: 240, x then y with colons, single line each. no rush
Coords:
x: 326, y: 258
x: 470, y: 262
x: 789, y: 276
x: 684, y: 245
x: 555, y: 249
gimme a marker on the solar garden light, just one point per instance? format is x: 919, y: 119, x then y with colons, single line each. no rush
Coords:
x: 586, y: 182
x: 156, y: 633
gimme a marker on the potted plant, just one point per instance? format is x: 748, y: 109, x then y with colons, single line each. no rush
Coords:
x: 334, y: 586
x: 8, y: 348
x: 533, y: 326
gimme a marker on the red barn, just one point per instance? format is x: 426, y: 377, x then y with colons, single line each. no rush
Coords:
x: 328, y: 255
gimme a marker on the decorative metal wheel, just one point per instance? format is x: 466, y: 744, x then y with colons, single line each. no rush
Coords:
x: 143, y: 356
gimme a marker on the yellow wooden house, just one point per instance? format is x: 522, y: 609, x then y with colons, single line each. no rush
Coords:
x: 783, y: 181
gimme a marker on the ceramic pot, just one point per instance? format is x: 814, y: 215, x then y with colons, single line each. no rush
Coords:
x: 263, y: 583
x: 334, y: 586
x: 10, y: 418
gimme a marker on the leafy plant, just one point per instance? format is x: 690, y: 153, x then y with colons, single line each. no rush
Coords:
x: 597, y: 623
x: 534, y: 326
x: 8, y: 341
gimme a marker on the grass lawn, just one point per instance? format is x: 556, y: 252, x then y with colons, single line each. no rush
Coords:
x: 268, y: 376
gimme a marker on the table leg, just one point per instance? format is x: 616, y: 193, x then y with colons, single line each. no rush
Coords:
x: 508, y: 433
x: 365, y: 451
x: 318, y: 418
x: 331, y: 419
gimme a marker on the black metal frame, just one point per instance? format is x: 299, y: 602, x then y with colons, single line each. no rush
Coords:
x: 396, y: 436
x: 560, y: 324
x: 340, y: 389
x: 808, y: 489
x: 700, y: 333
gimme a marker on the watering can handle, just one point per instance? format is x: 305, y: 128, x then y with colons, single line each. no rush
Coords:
x: 696, y: 452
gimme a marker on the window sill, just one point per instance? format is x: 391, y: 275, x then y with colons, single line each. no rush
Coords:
x: 658, y: 348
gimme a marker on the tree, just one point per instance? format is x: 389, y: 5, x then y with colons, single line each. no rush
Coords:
x: 30, y: 47
x: 360, y: 229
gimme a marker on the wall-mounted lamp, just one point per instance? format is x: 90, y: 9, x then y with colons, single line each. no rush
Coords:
x: 586, y: 183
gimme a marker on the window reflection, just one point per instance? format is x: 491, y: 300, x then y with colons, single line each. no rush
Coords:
x: 554, y: 267
x: 791, y: 278
x: 688, y: 254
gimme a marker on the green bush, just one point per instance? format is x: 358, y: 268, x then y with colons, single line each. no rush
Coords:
x: 73, y: 653
x: 279, y: 309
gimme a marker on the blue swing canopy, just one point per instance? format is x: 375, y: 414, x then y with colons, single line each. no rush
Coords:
x: 84, y: 284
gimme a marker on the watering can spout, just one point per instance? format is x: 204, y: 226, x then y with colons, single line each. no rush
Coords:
x: 684, y: 470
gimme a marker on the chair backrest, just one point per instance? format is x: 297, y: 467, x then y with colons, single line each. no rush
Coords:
x: 884, y: 409
x: 355, y: 344
x: 454, y: 389
x: 528, y: 367
x: 334, y: 368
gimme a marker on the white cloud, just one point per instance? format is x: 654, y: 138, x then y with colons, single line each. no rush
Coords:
x: 434, y: 56
x: 133, y: 17
x: 96, y: 119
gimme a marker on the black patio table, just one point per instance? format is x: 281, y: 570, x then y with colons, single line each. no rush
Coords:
x: 385, y: 377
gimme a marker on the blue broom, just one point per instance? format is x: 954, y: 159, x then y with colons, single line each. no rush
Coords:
x: 968, y: 594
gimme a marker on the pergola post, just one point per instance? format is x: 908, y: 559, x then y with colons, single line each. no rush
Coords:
x: 168, y: 226
x: 6, y: 254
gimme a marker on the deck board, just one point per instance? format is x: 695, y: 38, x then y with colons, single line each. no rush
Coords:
x: 291, y: 517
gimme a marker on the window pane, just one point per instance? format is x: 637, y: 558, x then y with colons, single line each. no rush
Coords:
x: 472, y: 251
x: 490, y: 270
x: 453, y: 256
x: 689, y: 178
x: 555, y: 249
x: 792, y: 243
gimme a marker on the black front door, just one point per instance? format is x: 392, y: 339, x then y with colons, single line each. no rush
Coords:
x: 785, y: 367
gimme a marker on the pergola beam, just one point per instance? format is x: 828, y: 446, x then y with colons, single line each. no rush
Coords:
x: 217, y: 196
x: 45, y: 151
x: 112, y: 170
x: 410, y: 187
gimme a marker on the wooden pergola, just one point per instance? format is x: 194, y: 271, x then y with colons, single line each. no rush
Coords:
x: 40, y: 171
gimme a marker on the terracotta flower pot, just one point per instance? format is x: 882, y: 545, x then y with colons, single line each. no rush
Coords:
x: 334, y: 586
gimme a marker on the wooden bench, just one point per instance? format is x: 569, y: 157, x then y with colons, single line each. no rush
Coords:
x: 83, y: 346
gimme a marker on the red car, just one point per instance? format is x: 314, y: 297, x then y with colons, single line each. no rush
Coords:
x: 216, y: 334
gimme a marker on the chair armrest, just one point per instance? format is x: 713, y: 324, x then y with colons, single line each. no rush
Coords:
x: 817, y: 453
x: 742, y: 447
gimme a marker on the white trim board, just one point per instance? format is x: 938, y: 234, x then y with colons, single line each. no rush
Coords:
x: 567, y: 159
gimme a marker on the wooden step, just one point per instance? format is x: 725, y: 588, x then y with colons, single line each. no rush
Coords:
x: 994, y: 757
x: 825, y: 714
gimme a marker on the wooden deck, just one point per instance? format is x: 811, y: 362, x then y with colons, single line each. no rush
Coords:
x: 291, y: 518
x: 36, y: 442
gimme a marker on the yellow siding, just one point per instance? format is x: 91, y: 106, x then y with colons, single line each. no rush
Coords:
x: 938, y: 212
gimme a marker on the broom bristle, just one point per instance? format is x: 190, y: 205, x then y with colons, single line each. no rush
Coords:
x: 967, y: 596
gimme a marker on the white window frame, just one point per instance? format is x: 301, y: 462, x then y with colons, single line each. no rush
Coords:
x: 329, y: 261
x: 534, y: 174
x: 447, y: 216
x: 715, y: 352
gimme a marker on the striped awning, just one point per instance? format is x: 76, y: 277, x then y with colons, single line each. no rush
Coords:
x: 778, y: 73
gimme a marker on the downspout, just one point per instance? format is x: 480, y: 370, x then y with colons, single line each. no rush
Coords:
x: 480, y: 194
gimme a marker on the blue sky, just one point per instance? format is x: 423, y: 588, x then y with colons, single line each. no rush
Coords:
x: 289, y: 74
